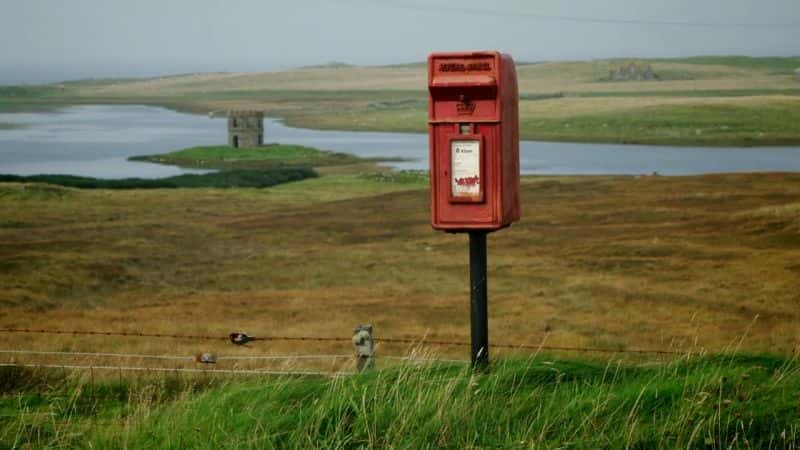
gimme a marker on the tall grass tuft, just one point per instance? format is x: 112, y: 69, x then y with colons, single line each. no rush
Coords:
x: 708, y: 402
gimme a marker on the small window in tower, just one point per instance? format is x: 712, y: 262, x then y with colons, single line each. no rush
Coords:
x: 234, y: 122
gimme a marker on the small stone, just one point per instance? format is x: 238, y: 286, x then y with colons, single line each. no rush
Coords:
x: 206, y: 358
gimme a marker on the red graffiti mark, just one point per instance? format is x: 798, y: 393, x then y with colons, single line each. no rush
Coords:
x: 468, y: 181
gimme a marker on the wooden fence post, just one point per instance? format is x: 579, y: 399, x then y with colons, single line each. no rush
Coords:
x: 364, y: 344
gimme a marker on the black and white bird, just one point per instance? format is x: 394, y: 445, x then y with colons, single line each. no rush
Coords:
x: 240, y: 338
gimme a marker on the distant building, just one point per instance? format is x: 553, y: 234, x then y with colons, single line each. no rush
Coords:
x: 245, y: 129
x: 632, y: 72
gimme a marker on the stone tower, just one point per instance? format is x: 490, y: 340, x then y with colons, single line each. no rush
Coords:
x: 245, y: 129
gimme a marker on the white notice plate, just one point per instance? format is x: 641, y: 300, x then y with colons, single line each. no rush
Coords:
x: 465, y: 159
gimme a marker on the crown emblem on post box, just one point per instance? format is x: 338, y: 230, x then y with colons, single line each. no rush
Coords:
x: 465, y: 107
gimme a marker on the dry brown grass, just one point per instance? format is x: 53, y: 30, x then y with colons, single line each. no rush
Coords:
x: 350, y: 78
x: 571, y: 107
x: 617, y: 262
x: 536, y: 78
x: 395, y: 99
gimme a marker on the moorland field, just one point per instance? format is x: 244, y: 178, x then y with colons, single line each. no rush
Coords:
x: 704, y: 266
x: 701, y: 265
x: 617, y: 262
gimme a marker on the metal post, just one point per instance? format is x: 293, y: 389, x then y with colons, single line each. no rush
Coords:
x: 478, y: 300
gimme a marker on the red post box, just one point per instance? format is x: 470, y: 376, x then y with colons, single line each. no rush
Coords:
x: 474, y: 141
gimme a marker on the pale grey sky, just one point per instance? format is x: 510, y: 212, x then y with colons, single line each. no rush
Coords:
x: 50, y: 40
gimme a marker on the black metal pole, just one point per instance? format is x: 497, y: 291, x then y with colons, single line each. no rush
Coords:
x: 479, y: 317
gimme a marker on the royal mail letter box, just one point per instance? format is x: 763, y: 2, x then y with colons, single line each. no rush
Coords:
x: 474, y: 141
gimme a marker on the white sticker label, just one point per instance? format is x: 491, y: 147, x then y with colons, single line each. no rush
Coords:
x: 465, y: 159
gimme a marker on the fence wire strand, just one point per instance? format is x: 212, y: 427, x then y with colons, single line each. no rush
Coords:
x: 419, y: 341
x: 176, y: 369
x: 170, y: 357
x: 97, y: 355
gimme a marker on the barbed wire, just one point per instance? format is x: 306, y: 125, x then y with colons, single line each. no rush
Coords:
x: 169, y: 357
x: 97, y: 355
x: 112, y: 333
x: 218, y: 358
x: 532, y: 346
x: 425, y: 360
x: 282, y: 357
x: 167, y: 335
x: 176, y: 369
x: 418, y: 341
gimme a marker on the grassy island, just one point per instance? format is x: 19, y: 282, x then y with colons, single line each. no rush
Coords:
x: 269, y: 156
x: 259, y: 167
x: 217, y: 179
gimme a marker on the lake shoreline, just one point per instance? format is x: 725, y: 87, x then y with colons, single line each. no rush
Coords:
x: 107, y: 141
x: 319, y: 124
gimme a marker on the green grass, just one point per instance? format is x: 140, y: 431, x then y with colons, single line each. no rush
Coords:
x: 38, y: 91
x: 291, y: 95
x: 697, y: 93
x: 32, y: 191
x: 30, y: 105
x: 686, y: 74
x: 774, y: 64
x: 222, y: 179
x: 411, y: 177
x: 40, y: 98
x: 265, y: 157
x: 690, y: 94
x: 709, y: 402
x: 710, y: 124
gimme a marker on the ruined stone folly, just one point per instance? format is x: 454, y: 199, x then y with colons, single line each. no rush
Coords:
x: 632, y: 72
x: 245, y: 129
